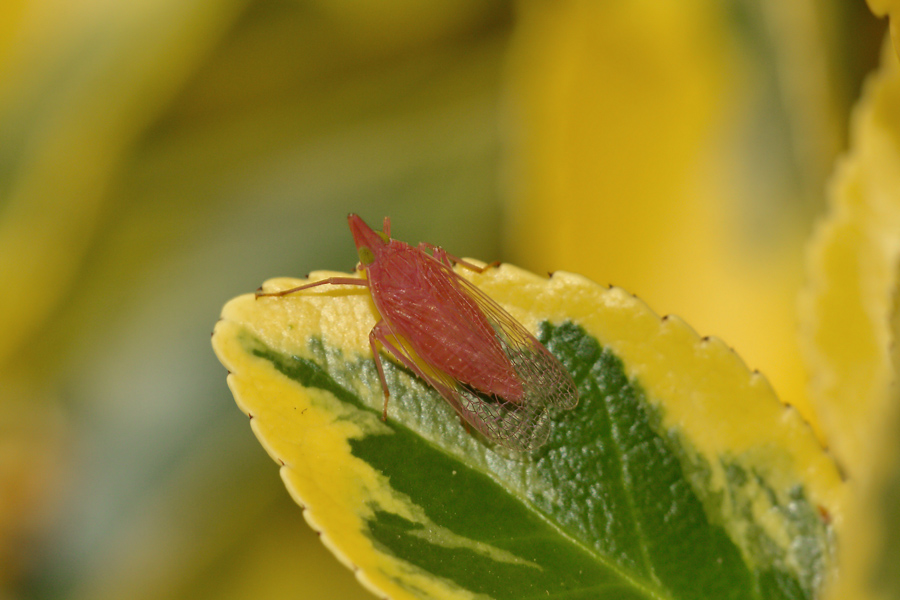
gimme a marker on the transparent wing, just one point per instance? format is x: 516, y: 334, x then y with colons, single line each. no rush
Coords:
x: 546, y: 383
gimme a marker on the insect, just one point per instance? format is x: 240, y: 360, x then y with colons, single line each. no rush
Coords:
x: 499, y: 378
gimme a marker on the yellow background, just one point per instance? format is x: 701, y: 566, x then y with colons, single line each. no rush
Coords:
x: 159, y: 157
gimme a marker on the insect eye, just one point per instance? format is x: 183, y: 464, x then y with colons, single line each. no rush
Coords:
x: 366, y: 256
x: 385, y: 237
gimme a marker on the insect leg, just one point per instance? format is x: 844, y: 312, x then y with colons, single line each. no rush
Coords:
x: 329, y: 281
x: 443, y: 257
x: 375, y: 336
x: 380, y: 334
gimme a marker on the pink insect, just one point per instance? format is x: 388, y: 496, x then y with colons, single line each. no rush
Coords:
x: 499, y: 378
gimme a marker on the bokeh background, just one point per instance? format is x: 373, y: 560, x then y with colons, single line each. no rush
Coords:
x: 159, y: 157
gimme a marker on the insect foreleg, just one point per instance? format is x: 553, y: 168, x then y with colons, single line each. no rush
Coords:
x: 443, y: 257
x: 329, y: 281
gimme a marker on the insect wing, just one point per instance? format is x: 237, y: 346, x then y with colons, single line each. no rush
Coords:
x: 523, y: 424
x: 545, y: 382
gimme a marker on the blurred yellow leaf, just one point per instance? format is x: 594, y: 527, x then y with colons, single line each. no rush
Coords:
x: 850, y: 326
x: 847, y: 309
x: 676, y: 149
x: 65, y: 125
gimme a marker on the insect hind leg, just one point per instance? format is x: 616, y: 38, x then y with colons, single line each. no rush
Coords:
x: 443, y: 257
x: 376, y: 336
